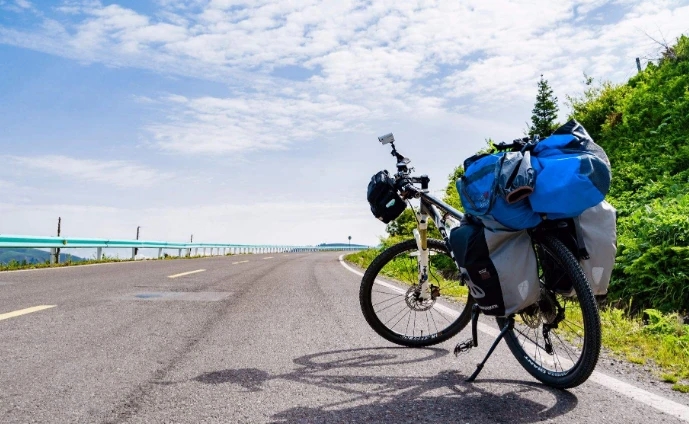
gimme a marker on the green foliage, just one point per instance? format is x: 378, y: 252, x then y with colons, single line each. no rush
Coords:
x: 403, y: 225
x: 682, y: 388
x: 451, y: 193
x: 654, y: 337
x: 669, y: 378
x: 543, y: 120
x: 643, y: 127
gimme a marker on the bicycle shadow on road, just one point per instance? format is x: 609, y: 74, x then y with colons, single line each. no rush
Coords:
x: 370, y: 392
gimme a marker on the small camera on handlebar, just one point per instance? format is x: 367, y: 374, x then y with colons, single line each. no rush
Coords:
x: 386, y: 139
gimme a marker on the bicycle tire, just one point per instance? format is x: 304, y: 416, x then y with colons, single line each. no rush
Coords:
x: 582, y: 368
x: 366, y: 292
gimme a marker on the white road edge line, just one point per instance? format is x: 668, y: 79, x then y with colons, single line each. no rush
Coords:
x: 186, y: 273
x: 269, y: 257
x: 640, y: 395
x: 240, y: 262
x: 21, y: 312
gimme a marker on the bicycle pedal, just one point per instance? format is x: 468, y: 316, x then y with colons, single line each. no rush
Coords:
x: 464, y: 347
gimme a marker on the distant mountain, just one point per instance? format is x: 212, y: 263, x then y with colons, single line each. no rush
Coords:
x: 32, y: 256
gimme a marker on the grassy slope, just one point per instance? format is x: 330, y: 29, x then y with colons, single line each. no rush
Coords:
x: 643, y: 126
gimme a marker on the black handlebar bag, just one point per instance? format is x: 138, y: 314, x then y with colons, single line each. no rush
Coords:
x: 386, y: 204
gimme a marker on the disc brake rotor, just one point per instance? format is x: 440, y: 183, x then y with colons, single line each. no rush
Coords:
x: 416, y: 303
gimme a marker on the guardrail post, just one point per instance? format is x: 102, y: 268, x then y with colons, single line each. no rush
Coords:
x: 133, y: 253
x: 160, y: 252
x: 53, y: 254
x: 179, y: 253
x: 99, y: 253
x: 204, y: 251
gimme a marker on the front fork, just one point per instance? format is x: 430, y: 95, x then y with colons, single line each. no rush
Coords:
x: 421, y: 236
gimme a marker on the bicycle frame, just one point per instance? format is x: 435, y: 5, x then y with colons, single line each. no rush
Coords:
x: 430, y: 207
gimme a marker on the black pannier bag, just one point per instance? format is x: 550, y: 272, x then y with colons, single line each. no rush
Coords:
x: 386, y: 204
x: 500, y: 265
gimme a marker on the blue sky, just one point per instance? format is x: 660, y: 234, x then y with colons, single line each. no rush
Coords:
x: 256, y: 122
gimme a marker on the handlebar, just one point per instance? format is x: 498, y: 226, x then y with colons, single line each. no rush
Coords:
x: 404, y: 182
x: 519, y: 144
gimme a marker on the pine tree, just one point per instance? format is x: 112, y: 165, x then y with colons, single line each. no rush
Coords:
x: 544, y: 112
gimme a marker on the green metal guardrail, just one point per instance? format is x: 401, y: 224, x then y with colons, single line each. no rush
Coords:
x: 55, y: 243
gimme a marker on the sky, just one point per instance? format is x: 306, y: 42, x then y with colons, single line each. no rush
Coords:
x: 257, y: 121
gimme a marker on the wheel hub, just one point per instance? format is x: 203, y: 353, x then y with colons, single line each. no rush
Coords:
x: 416, y: 303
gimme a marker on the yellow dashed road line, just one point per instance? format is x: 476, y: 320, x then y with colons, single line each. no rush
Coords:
x: 186, y: 273
x: 25, y: 311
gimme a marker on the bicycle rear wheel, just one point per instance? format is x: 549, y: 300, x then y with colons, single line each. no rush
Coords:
x: 558, y: 339
x: 389, y: 296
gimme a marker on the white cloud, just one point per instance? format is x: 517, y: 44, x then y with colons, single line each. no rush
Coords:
x: 371, y: 61
x: 401, y: 40
x: 117, y: 173
x: 224, y: 125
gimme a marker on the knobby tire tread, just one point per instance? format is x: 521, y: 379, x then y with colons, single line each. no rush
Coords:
x: 592, y: 327
x: 365, y: 297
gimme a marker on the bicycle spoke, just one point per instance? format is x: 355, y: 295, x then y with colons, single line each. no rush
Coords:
x: 398, y: 321
x: 442, y: 315
x: 567, y: 350
x: 434, y: 323
x: 381, y: 292
x: 395, y: 316
x: 381, y: 310
x: 384, y: 301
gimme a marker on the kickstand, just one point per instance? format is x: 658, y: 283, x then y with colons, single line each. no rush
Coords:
x: 479, y: 367
x: 474, y: 323
x: 466, y: 345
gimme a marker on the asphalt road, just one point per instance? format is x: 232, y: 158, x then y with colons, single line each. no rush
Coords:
x: 258, y: 338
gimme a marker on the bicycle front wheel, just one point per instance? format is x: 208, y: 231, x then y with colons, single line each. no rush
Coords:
x: 558, y: 339
x: 390, y: 301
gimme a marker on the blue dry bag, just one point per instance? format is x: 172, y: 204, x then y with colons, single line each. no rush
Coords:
x: 572, y: 173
